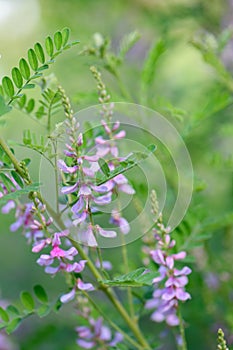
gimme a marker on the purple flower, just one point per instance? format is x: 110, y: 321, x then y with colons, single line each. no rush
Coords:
x: 119, y: 221
x: 66, y: 169
x: 105, y: 233
x: 24, y: 217
x: 79, y: 179
x: 107, y: 265
x: 165, y: 299
x: 8, y: 207
x: 80, y: 285
x: 96, y: 334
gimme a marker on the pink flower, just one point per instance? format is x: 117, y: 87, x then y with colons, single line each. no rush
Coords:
x: 90, y: 336
x: 165, y: 300
x: 119, y: 221
x: 80, y: 285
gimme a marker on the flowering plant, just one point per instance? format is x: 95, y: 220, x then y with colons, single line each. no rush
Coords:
x: 91, y: 172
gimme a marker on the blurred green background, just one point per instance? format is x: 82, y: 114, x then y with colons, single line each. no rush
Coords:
x: 187, y: 90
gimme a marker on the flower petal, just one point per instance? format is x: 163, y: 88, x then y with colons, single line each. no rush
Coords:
x: 78, y: 205
x: 69, y: 189
x: 105, y: 233
x: 120, y: 135
x: 124, y: 226
x: 68, y: 297
x: 126, y: 188
x: 84, y: 286
x: 66, y: 169
x: 103, y: 199
x: 80, y: 218
x: 8, y: 207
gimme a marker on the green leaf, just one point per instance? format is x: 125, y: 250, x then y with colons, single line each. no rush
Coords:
x: 17, y: 178
x: 125, y: 165
x: 4, y: 315
x: 39, y: 52
x: 24, y: 68
x: 40, y: 294
x: 27, y: 139
x: 49, y: 46
x: 18, y: 193
x: 1, y: 91
x: 128, y: 42
x: 57, y: 305
x: 6, y: 181
x: 35, y: 76
x: 17, y: 77
x: 22, y: 101
x: 104, y: 166
x: 30, y: 105
x: 40, y: 112
x: 43, y: 310
x: 32, y: 59
x: 12, y: 310
x: 26, y: 161
x: 150, y: 63
x: 27, y: 301
x: 13, y: 325
x: 45, y: 66
x: 65, y: 36
x: 8, y: 86
x: 136, y: 278
x: 75, y: 42
x: 4, y: 108
x: 28, y: 86
x: 58, y: 40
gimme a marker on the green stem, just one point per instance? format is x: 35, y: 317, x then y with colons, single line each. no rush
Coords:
x: 18, y: 167
x: 126, y: 265
x: 56, y: 174
x: 50, y: 111
x: 183, y: 345
x: 124, y: 91
x: 20, y: 90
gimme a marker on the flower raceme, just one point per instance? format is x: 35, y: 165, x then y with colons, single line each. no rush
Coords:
x: 36, y: 230
x: 79, y: 170
x: 166, y: 299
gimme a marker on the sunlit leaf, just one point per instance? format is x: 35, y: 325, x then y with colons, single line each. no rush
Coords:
x: 40, y: 53
x: 65, y: 36
x: 137, y: 278
x: 24, y: 68
x: 49, y: 46
x: 17, y: 77
x: 32, y: 59
x: 58, y: 40
x: 8, y: 86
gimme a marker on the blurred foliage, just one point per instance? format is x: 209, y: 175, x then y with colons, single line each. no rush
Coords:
x: 174, y: 57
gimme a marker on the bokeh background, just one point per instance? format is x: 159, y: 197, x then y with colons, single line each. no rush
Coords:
x: 188, y: 91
